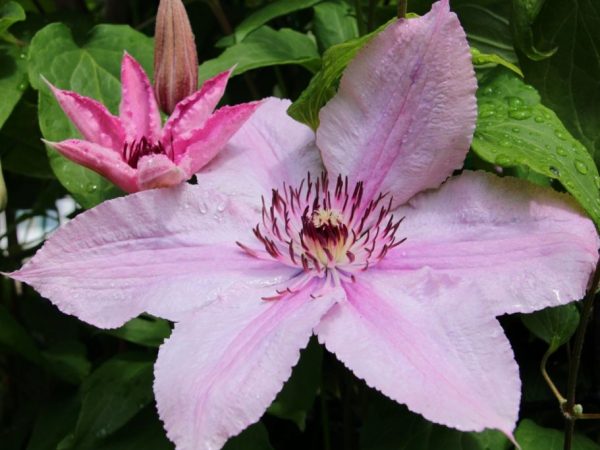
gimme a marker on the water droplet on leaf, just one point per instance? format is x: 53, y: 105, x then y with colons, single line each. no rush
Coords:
x: 581, y: 167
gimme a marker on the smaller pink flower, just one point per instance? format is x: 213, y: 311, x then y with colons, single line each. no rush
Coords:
x: 134, y: 150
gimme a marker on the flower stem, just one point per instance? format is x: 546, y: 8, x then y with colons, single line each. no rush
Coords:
x: 402, y: 8
x: 549, y: 382
x: 371, y: 15
x: 588, y: 306
x: 360, y: 20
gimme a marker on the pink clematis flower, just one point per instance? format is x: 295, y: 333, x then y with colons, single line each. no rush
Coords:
x: 133, y: 150
x: 355, y: 234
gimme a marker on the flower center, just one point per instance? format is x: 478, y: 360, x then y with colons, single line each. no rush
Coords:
x: 134, y: 151
x: 323, y: 229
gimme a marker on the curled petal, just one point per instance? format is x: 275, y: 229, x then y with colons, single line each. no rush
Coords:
x: 100, y: 159
x: 200, y: 146
x: 525, y: 246
x: 192, y: 112
x: 95, y: 123
x: 425, y: 347
x: 270, y: 148
x: 222, y: 367
x: 405, y: 112
x: 158, y: 171
x: 138, y: 111
x: 164, y: 251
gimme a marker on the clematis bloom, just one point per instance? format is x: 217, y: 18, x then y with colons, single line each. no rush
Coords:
x: 356, y: 235
x: 133, y: 150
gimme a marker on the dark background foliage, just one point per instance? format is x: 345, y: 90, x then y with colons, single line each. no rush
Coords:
x: 65, y: 385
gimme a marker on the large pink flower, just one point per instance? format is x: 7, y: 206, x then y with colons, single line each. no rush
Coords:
x: 353, y: 236
x: 133, y: 150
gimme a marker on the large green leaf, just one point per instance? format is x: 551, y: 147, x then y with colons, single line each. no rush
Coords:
x: 54, y: 421
x: 514, y: 128
x: 13, y: 79
x: 323, y: 85
x: 533, y: 437
x: 269, y: 12
x: 10, y: 13
x: 334, y: 23
x: 390, y: 426
x: 523, y: 16
x: 111, y: 396
x: 298, y: 394
x: 90, y: 67
x: 265, y: 47
x: 555, y: 326
x: 68, y: 360
x: 145, y: 330
x: 569, y: 81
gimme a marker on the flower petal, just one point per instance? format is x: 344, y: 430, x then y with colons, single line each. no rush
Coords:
x: 405, y: 111
x: 139, y: 110
x: 527, y: 247
x: 192, y: 112
x: 100, y: 159
x: 158, y: 171
x: 444, y: 358
x: 165, y: 251
x: 95, y: 123
x: 271, y: 148
x: 222, y: 367
x: 197, y: 148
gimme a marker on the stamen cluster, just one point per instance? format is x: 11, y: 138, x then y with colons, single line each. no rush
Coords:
x: 319, y: 228
x: 134, y: 151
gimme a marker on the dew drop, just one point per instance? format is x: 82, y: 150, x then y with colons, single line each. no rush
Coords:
x: 539, y: 119
x: 503, y: 160
x: 22, y: 56
x: 581, y: 167
x: 488, y: 90
x: 505, y: 143
x: 514, y: 102
x: 487, y: 113
x: 92, y: 188
x: 560, y: 134
x: 561, y: 151
x: 203, y: 207
x: 516, y: 130
x: 597, y: 181
x: 520, y: 114
x: 555, y: 172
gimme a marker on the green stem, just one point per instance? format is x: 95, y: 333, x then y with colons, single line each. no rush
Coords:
x: 371, y: 15
x: 360, y: 20
x: 588, y: 306
x: 402, y: 8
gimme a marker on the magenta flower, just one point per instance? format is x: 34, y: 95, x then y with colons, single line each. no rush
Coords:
x: 353, y: 236
x: 133, y: 150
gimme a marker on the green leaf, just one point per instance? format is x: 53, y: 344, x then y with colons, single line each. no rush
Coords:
x: 390, y: 426
x: 262, y: 16
x: 15, y: 339
x: 10, y: 13
x: 555, y: 326
x: 91, y: 68
x: 334, y: 23
x: 263, y: 48
x: 13, y: 79
x: 323, y: 85
x: 111, y: 396
x: 533, y: 437
x: 298, y: 394
x: 55, y: 420
x: 569, y: 81
x: 68, y: 361
x: 145, y: 330
x: 3, y: 193
x: 255, y: 437
x: 523, y: 16
x: 485, y: 60
x: 514, y: 128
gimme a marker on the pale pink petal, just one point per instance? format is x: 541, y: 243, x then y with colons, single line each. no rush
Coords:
x: 405, y: 112
x: 158, y: 171
x: 191, y: 112
x: 423, y: 346
x: 139, y: 110
x: 95, y: 123
x: 222, y: 367
x: 165, y: 251
x: 269, y: 149
x: 100, y: 159
x: 198, y: 147
x: 526, y: 246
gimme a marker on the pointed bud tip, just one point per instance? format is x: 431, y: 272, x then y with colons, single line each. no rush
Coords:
x: 175, y: 56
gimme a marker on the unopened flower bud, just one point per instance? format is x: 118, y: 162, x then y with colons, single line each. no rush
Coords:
x: 175, y: 57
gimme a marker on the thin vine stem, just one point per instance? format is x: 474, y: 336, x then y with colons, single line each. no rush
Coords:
x: 588, y: 306
x: 402, y: 8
